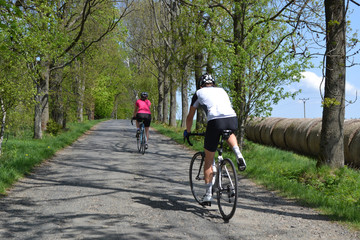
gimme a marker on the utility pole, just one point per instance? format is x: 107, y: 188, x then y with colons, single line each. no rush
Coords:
x: 304, y: 101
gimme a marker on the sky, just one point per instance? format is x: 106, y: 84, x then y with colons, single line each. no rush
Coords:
x: 308, y: 102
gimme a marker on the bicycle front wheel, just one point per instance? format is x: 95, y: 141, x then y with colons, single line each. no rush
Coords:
x: 196, y: 176
x: 227, y: 191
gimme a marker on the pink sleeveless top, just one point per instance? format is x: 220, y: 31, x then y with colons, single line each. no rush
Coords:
x: 144, y: 106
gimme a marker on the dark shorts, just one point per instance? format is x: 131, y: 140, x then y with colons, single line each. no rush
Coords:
x: 144, y: 117
x: 214, y: 130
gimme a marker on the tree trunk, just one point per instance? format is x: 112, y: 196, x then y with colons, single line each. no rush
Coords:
x: 3, y: 123
x: 332, y: 134
x: 161, y: 97
x: 166, y: 99
x: 37, y: 113
x: 80, y: 85
x: 57, y: 98
x: 184, y: 100
x: 41, y: 114
x: 239, y: 70
x: 172, y: 120
x: 91, y: 111
x: 114, y: 113
x: 42, y: 101
x: 200, y: 114
x: 45, y: 95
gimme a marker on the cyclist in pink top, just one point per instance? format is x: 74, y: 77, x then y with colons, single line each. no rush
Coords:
x: 142, y: 113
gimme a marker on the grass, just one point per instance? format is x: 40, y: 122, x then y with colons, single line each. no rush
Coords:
x: 334, y: 192
x: 21, y: 154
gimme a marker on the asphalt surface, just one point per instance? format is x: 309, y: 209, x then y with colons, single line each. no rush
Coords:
x: 102, y: 188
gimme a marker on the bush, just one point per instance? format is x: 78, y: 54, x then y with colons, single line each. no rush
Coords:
x: 53, y: 127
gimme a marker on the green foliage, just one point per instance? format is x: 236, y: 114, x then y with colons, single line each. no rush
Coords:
x: 333, y: 23
x: 53, y: 127
x: 256, y: 69
x: 329, y: 102
x: 20, y: 121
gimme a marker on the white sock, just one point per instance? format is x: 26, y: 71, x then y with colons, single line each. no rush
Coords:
x: 214, y: 167
x: 237, y: 152
x: 208, y: 188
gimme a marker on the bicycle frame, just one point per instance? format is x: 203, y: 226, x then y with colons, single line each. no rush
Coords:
x: 219, y: 162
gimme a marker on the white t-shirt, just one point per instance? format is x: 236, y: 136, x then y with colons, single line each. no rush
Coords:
x: 215, y: 101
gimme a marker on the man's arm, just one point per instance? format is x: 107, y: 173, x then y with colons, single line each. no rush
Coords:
x: 189, y: 118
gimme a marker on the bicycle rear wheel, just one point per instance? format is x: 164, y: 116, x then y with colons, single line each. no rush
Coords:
x: 138, y: 142
x: 142, y: 140
x: 196, y: 176
x: 227, y: 191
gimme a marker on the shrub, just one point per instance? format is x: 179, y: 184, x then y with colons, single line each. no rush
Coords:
x: 53, y: 127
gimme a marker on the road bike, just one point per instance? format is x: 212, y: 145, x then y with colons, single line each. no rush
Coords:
x: 141, y: 136
x: 225, y: 182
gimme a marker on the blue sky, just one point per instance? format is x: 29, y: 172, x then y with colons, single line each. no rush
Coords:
x: 310, y: 86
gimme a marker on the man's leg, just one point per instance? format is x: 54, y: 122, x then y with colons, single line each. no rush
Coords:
x: 208, y: 175
x: 208, y: 171
x: 233, y: 143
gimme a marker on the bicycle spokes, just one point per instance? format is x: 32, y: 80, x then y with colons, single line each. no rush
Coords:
x: 196, y: 176
x: 227, y: 189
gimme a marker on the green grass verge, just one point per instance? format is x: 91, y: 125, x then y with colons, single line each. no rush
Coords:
x: 22, y: 154
x: 335, y: 192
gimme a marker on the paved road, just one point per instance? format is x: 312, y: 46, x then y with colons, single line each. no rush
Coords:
x: 102, y: 188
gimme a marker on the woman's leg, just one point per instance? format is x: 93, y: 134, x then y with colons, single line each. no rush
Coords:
x: 147, y: 132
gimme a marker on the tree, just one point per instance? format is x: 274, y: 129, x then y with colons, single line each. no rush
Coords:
x: 332, y: 133
x: 251, y: 46
x: 53, y: 39
x: 14, y: 83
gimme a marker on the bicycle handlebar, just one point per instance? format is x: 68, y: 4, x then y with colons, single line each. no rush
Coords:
x: 193, y: 134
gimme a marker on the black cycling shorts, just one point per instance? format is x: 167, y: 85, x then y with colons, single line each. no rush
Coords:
x: 144, y: 117
x: 214, y: 130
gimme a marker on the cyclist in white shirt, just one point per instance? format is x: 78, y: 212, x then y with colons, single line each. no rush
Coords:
x: 220, y: 116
